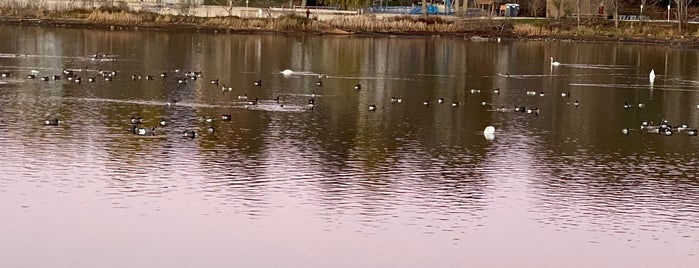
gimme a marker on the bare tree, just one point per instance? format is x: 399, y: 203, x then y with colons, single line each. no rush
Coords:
x: 577, y: 4
x: 682, y: 6
x: 229, y: 5
x: 424, y: 7
x: 615, y: 10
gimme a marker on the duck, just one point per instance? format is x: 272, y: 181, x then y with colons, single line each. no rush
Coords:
x: 182, y: 81
x: 243, y: 97
x: 253, y: 102
x: 311, y: 103
x: 5, y: 74
x: 455, y: 104
x: 136, y: 120
x: 149, y: 77
x: 145, y: 131
x: 554, y: 63
x: 396, y: 100
x: 534, y: 110
x: 44, y: 78
x: 627, y: 105
x: 319, y: 83
x: 91, y: 79
x: 31, y: 76
x: 641, y: 105
x: 531, y: 93
x: 372, y: 107
x: 189, y: 134
x: 474, y: 91
x: 426, y: 102
x: 565, y: 94
x: 210, y: 129
x: 440, y: 100
x: 163, y: 75
x: 163, y: 122
x: 692, y: 132
x: 214, y: 82
x: 257, y: 83
x: 496, y: 91
x: 542, y: 94
x: 224, y: 88
x: 51, y: 122
x: 56, y: 77
x: 226, y: 117
x: 576, y: 103
x: 357, y: 86
x: 276, y: 100
x: 625, y: 131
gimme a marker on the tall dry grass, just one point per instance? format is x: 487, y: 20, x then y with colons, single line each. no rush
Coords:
x: 417, y: 24
x: 596, y: 29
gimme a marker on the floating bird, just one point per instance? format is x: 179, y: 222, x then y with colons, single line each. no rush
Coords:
x: 31, y: 76
x: 189, y: 134
x: 496, y: 91
x: 692, y: 132
x: 576, y: 103
x: 372, y: 107
x: 226, y: 117
x: 440, y: 100
x: 358, y: 86
x: 651, y: 76
x: 44, y: 78
x: 565, y: 94
x: 243, y: 97
x: 5, y: 75
x: 455, y: 104
x: 136, y: 120
x: 554, y: 63
x: 627, y: 105
x: 625, y: 131
x: 641, y: 105
x: 210, y: 129
x: 287, y: 72
x: 257, y: 83
x: 51, y: 122
x: 489, y: 130
x: 163, y: 75
x: 163, y: 122
x: 319, y: 83
x: 276, y: 100
x: 426, y: 102
x: 214, y: 82
x: 396, y: 100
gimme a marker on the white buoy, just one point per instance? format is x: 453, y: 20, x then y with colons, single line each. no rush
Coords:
x: 651, y: 76
x: 287, y: 72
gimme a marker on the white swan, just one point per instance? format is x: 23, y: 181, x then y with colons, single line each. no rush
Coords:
x: 554, y: 63
x: 651, y: 76
x: 287, y: 72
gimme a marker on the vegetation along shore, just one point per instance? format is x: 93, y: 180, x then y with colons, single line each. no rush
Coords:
x: 293, y: 21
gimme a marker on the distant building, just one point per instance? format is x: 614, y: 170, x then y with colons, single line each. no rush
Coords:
x: 568, y: 8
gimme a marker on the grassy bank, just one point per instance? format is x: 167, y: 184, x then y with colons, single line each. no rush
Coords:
x: 592, y: 29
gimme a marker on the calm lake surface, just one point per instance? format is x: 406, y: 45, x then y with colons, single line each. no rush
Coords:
x: 337, y: 185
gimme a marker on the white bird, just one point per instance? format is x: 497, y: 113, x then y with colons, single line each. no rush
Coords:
x: 489, y: 133
x: 287, y: 72
x: 651, y: 76
x: 554, y: 63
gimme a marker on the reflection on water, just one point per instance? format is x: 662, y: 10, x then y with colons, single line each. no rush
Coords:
x: 304, y: 173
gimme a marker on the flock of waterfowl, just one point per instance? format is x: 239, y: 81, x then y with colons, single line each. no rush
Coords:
x: 137, y: 127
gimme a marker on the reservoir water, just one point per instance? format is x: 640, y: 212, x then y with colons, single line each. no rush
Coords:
x: 304, y: 174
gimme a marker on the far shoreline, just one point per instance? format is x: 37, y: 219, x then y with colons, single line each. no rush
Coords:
x: 356, y: 25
